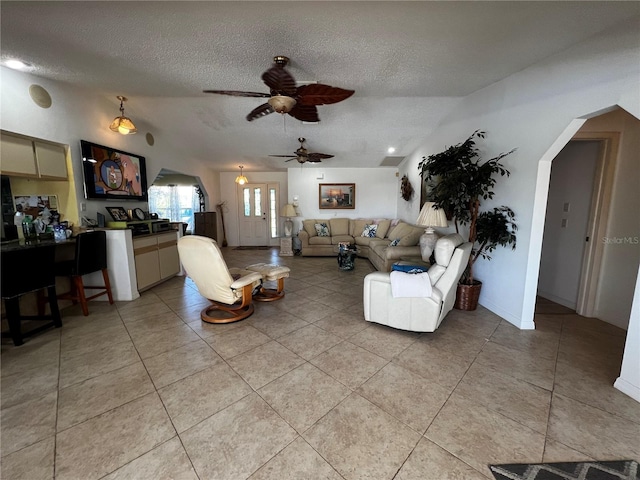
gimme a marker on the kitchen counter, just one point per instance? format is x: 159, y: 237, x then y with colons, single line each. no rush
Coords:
x: 22, y: 244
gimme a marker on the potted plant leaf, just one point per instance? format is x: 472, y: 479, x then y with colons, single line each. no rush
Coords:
x: 458, y: 180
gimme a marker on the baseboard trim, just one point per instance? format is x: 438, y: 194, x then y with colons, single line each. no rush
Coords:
x: 561, y: 301
x: 508, y: 316
x: 628, y: 388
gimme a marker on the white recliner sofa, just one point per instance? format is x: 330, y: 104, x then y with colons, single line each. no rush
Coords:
x: 419, y: 314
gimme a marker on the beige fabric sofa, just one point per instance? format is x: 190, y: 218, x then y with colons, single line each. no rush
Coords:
x: 377, y: 249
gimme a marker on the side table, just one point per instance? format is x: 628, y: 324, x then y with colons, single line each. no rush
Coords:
x: 286, y: 249
x: 346, y: 255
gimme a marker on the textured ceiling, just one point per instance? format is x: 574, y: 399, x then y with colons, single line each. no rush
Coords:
x: 407, y: 62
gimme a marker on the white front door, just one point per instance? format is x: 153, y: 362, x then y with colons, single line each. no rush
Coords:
x: 253, y: 214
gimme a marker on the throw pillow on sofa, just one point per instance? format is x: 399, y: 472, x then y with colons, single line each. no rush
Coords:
x: 383, y: 227
x: 395, y: 242
x: 369, y: 231
x: 309, y: 227
x: 409, y: 235
x: 322, y: 229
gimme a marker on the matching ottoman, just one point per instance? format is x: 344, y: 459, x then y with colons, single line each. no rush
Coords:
x: 270, y: 273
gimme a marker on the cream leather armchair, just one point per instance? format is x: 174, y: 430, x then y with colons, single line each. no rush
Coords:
x: 229, y: 289
x: 419, y: 314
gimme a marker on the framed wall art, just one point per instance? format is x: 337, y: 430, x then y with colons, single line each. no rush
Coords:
x: 119, y: 214
x: 112, y: 174
x: 337, y: 195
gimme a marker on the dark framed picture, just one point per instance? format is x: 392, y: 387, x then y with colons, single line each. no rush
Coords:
x: 424, y: 194
x: 337, y: 195
x: 112, y: 174
x: 119, y: 214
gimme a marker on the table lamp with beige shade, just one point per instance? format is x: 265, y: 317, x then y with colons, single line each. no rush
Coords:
x: 430, y: 216
x: 288, y: 211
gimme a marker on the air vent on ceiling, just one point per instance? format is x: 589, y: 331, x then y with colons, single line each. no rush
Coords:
x: 391, y: 161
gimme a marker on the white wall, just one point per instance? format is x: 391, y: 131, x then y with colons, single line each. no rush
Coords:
x: 572, y: 180
x: 629, y: 379
x: 530, y: 110
x: 377, y: 191
x: 621, y: 249
x: 77, y: 114
x: 229, y: 194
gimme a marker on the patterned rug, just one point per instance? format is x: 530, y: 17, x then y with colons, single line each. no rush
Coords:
x: 623, y: 469
x: 252, y: 248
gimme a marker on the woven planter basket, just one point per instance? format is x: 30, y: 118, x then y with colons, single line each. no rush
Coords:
x: 467, y: 296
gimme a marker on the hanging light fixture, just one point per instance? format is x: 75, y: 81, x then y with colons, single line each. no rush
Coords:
x: 241, y: 179
x: 122, y: 124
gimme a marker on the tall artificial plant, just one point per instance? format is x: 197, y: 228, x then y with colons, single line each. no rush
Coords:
x: 458, y: 180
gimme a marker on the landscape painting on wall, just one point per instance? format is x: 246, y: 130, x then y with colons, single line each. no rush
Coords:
x: 337, y: 195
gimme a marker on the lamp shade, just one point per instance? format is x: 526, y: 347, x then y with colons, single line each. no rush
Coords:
x: 241, y: 179
x: 122, y: 124
x: 431, y: 216
x: 288, y: 211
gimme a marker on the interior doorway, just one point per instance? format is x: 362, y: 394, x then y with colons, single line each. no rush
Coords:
x: 568, y: 220
x: 608, y: 269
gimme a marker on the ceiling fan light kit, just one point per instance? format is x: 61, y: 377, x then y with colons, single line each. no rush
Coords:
x: 281, y: 103
x: 122, y: 124
x: 285, y: 97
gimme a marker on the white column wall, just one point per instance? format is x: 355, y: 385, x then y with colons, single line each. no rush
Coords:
x: 629, y: 380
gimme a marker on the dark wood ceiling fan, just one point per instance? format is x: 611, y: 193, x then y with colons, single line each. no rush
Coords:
x: 302, y: 155
x: 285, y: 97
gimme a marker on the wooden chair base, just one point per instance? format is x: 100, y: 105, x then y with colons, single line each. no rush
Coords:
x: 77, y: 293
x: 270, y: 294
x: 236, y: 313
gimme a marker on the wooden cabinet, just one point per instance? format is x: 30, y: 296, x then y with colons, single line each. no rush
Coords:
x: 168, y: 255
x: 27, y: 157
x: 17, y: 156
x: 156, y: 258
x: 51, y: 161
x: 206, y: 224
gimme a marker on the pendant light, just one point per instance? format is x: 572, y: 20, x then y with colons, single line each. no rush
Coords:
x: 122, y: 124
x: 241, y: 179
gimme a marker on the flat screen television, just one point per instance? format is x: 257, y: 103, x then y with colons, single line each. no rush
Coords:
x: 111, y: 174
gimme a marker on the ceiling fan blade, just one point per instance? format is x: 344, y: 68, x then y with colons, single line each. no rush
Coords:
x: 261, y: 111
x: 313, y: 160
x: 279, y: 81
x: 294, y: 158
x: 305, y: 113
x: 285, y: 156
x: 237, y: 93
x: 319, y: 94
x: 318, y: 156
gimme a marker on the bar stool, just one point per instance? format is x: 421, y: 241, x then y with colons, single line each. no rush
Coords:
x: 26, y: 270
x: 90, y: 256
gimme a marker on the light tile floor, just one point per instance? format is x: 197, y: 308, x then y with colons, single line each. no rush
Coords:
x: 306, y: 389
